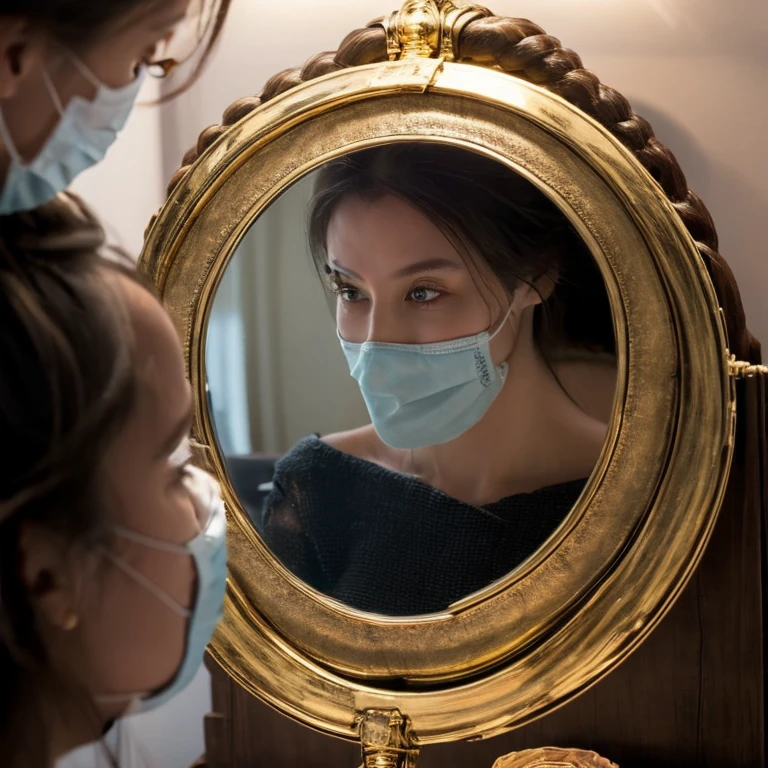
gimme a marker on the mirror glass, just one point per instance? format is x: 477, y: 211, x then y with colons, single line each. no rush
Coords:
x: 410, y: 366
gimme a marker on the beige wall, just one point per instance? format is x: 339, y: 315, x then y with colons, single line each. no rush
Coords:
x: 128, y: 187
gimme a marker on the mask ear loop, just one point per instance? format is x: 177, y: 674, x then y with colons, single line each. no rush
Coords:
x: 118, y: 698
x: 504, y: 367
x: 5, y: 134
x: 149, y: 585
x: 83, y: 70
x: 141, y: 70
x: 53, y: 93
x: 136, y: 697
x: 8, y: 142
x: 148, y: 541
x: 501, y: 324
x: 139, y: 577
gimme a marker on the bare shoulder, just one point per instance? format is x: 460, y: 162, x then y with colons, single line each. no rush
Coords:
x: 364, y: 443
x: 358, y: 442
x: 591, y: 381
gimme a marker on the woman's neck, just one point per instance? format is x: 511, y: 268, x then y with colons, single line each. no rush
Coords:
x: 532, y: 436
x: 44, y: 729
x: 69, y: 735
x: 73, y: 722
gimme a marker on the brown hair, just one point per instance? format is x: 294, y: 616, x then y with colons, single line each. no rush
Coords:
x: 66, y: 388
x: 524, y: 50
x: 491, y: 215
x: 80, y: 23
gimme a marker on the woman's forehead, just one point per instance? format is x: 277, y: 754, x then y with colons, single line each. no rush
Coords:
x: 162, y: 389
x: 386, y: 232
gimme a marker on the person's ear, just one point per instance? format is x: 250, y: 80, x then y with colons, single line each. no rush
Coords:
x: 534, y: 291
x: 545, y: 285
x: 48, y: 576
x: 21, y: 51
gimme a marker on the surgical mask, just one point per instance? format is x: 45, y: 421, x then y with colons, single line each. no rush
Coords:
x: 209, y: 552
x: 426, y: 394
x: 86, y: 130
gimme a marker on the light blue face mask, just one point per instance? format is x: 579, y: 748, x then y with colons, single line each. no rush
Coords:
x: 210, y: 555
x: 86, y: 130
x: 426, y: 394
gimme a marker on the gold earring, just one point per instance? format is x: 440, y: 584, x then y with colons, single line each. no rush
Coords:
x: 71, y: 620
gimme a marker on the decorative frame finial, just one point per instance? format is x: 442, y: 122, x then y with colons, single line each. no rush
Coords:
x: 427, y: 28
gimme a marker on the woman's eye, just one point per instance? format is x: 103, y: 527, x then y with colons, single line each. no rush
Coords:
x: 181, y: 458
x: 424, y: 295
x: 150, y: 54
x: 348, y: 293
x: 183, y: 472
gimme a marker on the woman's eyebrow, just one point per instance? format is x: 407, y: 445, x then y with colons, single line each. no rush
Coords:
x: 343, y: 270
x: 178, y: 434
x: 169, y: 23
x: 427, y: 265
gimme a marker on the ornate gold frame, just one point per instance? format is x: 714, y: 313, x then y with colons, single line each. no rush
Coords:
x: 539, y: 637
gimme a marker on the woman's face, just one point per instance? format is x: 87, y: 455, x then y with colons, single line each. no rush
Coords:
x: 399, y: 279
x: 27, y: 55
x: 145, y: 476
x: 127, y: 640
x: 114, y: 59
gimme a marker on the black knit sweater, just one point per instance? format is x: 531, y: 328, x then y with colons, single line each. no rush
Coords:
x: 385, y: 542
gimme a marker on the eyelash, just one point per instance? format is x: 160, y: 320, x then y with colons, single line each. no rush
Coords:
x: 340, y: 289
x: 180, y: 459
x: 182, y: 472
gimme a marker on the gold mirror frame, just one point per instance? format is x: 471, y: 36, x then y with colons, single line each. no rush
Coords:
x: 570, y: 614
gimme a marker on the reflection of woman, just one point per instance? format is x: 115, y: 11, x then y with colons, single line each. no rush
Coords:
x: 473, y: 319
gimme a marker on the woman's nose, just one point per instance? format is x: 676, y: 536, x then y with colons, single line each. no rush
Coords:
x: 386, y: 325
